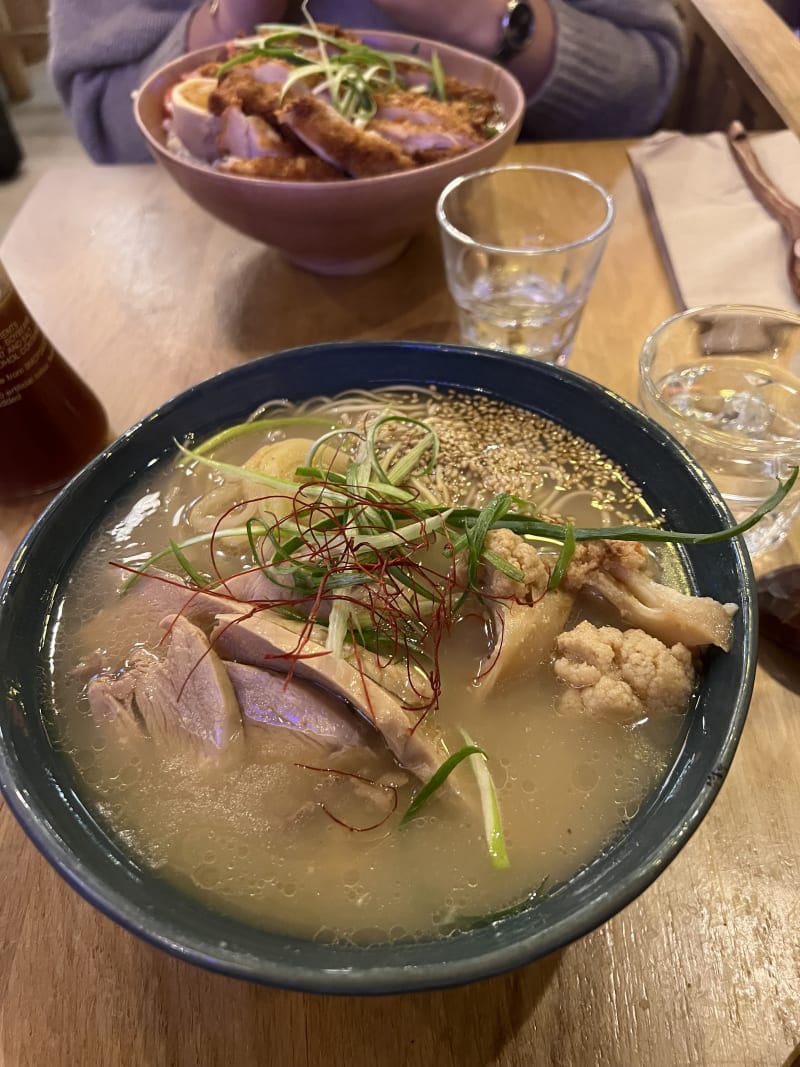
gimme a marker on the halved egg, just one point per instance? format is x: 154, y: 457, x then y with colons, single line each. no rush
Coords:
x: 192, y: 122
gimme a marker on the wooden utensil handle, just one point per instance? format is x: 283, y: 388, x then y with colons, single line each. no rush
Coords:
x: 766, y: 192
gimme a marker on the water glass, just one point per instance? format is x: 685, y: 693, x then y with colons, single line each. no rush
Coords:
x: 725, y: 380
x: 521, y: 248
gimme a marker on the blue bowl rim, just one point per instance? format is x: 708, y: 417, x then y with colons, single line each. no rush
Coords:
x: 359, y: 977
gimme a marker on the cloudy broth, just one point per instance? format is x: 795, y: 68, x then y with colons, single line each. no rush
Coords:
x: 256, y: 838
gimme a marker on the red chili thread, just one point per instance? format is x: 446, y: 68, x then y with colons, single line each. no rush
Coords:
x: 360, y: 778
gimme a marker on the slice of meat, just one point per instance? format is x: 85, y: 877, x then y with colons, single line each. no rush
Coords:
x: 422, y: 142
x: 186, y: 695
x: 305, y: 168
x: 267, y: 699
x: 413, y: 111
x: 111, y: 703
x: 241, y: 88
x: 190, y: 686
x: 249, y: 137
x: 359, y: 153
x: 261, y: 643
x: 480, y: 100
x: 272, y: 71
x: 158, y: 593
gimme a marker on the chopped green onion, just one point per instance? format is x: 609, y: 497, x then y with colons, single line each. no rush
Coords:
x: 405, y: 467
x: 251, y: 537
x: 438, y: 779
x: 199, y: 579
x: 198, y: 539
x: 338, y: 625
x: 476, y: 532
x: 437, y: 74
x: 564, y: 558
x: 265, y: 425
x: 529, y: 526
x: 351, y: 73
x: 492, y: 823
x: 500, y: 563
x: 535, y: 897
x: 286, y: 488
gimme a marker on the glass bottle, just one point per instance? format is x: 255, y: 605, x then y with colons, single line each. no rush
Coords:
x: 51, y: 423
x: 10, y: 149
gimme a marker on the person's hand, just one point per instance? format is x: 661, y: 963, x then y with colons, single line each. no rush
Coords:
x: 476, y: 25
x: 222, y: 21
x: 470, y: 24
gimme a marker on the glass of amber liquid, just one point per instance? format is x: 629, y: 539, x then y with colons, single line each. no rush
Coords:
x: 51, y: 423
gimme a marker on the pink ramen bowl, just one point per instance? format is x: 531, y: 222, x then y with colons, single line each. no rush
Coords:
x: 347, y: 227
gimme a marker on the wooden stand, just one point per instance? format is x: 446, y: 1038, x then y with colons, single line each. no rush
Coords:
x: 23, y: 39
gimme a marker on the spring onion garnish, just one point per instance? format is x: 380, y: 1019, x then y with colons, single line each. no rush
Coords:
x: 280, y: 422
x: 564, y: 558
x: 437, y: 73
x: 529, y: 901
x: 539, y: 529
x: 350, y: 73
x: 189, y: 542
x: 195, y: 575
x: 409, y: 463
x: 492, y: 823
x: 476, y: 531
x: 438, y: 779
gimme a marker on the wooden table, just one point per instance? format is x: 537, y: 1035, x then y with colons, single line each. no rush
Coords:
x: 145, y: 295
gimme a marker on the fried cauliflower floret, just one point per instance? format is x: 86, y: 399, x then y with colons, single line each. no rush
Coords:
x: 593, y: 556
x: 616, y: 571
x: 621, y: 676
x: 520, y: 554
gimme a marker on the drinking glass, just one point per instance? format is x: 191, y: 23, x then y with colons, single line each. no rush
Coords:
x: 521, y: 248
x: 725, y: 380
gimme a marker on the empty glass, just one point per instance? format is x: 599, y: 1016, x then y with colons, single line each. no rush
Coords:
x: 521, y: 249
x: 725, y: 380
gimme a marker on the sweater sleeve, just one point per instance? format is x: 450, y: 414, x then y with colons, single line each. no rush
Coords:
x: 615, y: 69
x: 101, y: 51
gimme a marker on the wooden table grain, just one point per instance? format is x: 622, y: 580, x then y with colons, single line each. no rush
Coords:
x: 146, y: 295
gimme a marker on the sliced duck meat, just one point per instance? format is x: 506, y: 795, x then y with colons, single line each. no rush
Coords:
x: 111, y: 697
x: 359, y: 153
x: 250, y: 585
x: 262, y: 643
x: 158, y: 593
x: 267, y: 698
x: 185, y: 694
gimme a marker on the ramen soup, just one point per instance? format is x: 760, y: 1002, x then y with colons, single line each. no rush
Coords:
x: 359, y: 669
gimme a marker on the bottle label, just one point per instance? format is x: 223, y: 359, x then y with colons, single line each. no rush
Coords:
x: 25, y: 353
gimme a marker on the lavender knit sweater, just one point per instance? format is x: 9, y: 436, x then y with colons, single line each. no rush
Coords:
x: 615, y: 67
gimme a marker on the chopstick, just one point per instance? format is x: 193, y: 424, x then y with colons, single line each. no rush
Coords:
x: 773, y: 199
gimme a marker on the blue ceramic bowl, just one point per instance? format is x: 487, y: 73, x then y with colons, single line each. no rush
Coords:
x: 41, y: 790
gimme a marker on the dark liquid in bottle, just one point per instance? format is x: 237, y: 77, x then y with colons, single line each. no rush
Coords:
x: 51, y: 423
